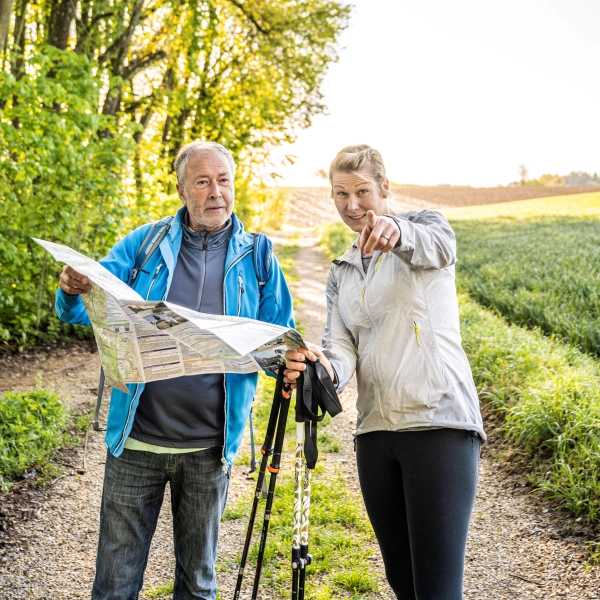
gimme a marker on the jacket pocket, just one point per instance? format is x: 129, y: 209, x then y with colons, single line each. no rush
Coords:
x: 436, y: 375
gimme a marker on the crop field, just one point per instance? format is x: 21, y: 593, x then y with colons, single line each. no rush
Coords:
x: 535, y: 262
x: 470, y: 196
x: 529, y: 277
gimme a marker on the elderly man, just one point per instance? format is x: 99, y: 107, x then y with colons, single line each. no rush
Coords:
x: 185, y: 431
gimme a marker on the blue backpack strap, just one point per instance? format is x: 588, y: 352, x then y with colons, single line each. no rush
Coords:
x: 151, y: 242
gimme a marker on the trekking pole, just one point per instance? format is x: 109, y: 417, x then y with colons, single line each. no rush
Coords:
x: 273, y: 470
x: 266, y: 451
x: 305, y: 558
x: 297, y: 506
x: 304, y: 431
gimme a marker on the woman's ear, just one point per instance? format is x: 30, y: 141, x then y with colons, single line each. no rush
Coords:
x: 385, y: 184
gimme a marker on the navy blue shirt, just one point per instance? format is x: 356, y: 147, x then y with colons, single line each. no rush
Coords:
x: 189, y: 412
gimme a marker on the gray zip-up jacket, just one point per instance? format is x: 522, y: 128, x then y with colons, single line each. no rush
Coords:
x: 398, y: 327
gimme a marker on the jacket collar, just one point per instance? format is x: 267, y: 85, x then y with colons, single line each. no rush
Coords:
x: 239, y: 237
x: 352, y: 256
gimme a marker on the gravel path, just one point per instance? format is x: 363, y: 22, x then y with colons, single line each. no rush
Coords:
x: 518, y: 548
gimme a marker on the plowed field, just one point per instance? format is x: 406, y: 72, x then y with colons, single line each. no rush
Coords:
x: 469, y: 196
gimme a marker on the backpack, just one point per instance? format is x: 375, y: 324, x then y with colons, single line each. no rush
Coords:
x: 262, y: 249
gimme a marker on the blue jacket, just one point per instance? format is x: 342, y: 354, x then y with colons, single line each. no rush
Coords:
x: 241, y: 298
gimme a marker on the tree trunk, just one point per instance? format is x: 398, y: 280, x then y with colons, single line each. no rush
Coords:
x: 5, y: 12
x: 62, y: 14
x: 16, y: 63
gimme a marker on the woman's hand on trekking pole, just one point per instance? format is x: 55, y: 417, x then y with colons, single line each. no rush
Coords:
x: 73, y: 283
x: 295, y: 361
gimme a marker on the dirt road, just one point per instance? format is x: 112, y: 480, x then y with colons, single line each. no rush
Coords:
x: 518, y: 549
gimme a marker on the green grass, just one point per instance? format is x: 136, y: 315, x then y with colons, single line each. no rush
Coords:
x: 339, y: 529
x: 545, y: 394
x: 286, y: 254
x: 537, y: 262
x: 33, y: 425
x: 548, y: 396
x: 159, y: 591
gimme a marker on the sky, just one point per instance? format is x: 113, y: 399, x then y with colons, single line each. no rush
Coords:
x: 461, y: 92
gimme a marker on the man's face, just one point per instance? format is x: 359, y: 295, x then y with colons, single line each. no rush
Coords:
x: 356, y: 193
x: 207, y: 191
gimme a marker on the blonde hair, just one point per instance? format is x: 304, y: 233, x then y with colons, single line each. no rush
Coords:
x: 355, y: 158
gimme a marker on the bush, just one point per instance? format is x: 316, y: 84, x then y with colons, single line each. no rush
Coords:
x: 336, y: 238
x: 60, y: 179
x: 31, y: 429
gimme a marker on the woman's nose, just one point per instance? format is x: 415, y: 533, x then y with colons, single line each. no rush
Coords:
x: 353, y: 202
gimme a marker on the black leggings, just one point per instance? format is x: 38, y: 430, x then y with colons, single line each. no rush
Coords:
x: 419, y: 488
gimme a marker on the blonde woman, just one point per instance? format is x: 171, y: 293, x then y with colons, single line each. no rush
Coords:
x: 393, y: 319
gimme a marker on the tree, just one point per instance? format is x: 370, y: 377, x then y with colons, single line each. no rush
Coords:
x: 523, y: 173
x: 5, y: 12
x: 96, y: 97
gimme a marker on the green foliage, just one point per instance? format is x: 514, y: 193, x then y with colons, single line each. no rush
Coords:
x: 160, y: 591
x: 237, y: 511
x: 97, y: 97
x: 536, y: 262
x: 548, y: 395
x: 59, y: 180
x: 328, y: 442
x: 336, y: 238
x: 357, y: 581
x: 31, y: 428
x: 260, y: 207
x: 286, y: 255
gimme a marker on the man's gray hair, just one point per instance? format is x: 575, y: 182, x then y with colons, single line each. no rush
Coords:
x: 199, y: 148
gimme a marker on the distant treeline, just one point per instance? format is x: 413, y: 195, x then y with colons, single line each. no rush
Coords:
x: 573, y: 179
x: 97, y: 96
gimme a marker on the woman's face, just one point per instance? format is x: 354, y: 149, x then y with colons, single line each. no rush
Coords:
x: 356, y: 193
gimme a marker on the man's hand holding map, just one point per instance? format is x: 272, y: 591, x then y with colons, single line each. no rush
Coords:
x: 142, y: 341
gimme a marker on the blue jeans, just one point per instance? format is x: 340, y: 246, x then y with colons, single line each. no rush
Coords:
x: 134, y: 486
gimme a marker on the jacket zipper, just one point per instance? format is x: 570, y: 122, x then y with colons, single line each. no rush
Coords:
x: 160, y: 266
x: 372, y: 268
x: 235, y: 262
x: 241, y: 282
x: 364, y: 289
x: 223, y: 459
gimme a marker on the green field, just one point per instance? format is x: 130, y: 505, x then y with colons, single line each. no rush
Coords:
x: 536, y: 262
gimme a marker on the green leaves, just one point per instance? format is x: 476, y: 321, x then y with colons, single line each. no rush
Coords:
x: 57, y: 181
x: 31, y: 428
x: 88, y: 135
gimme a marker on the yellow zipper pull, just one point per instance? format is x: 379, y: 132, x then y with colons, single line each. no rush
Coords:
x: 378, y: 261
x: 362, y: 295
x: 417, y: 334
